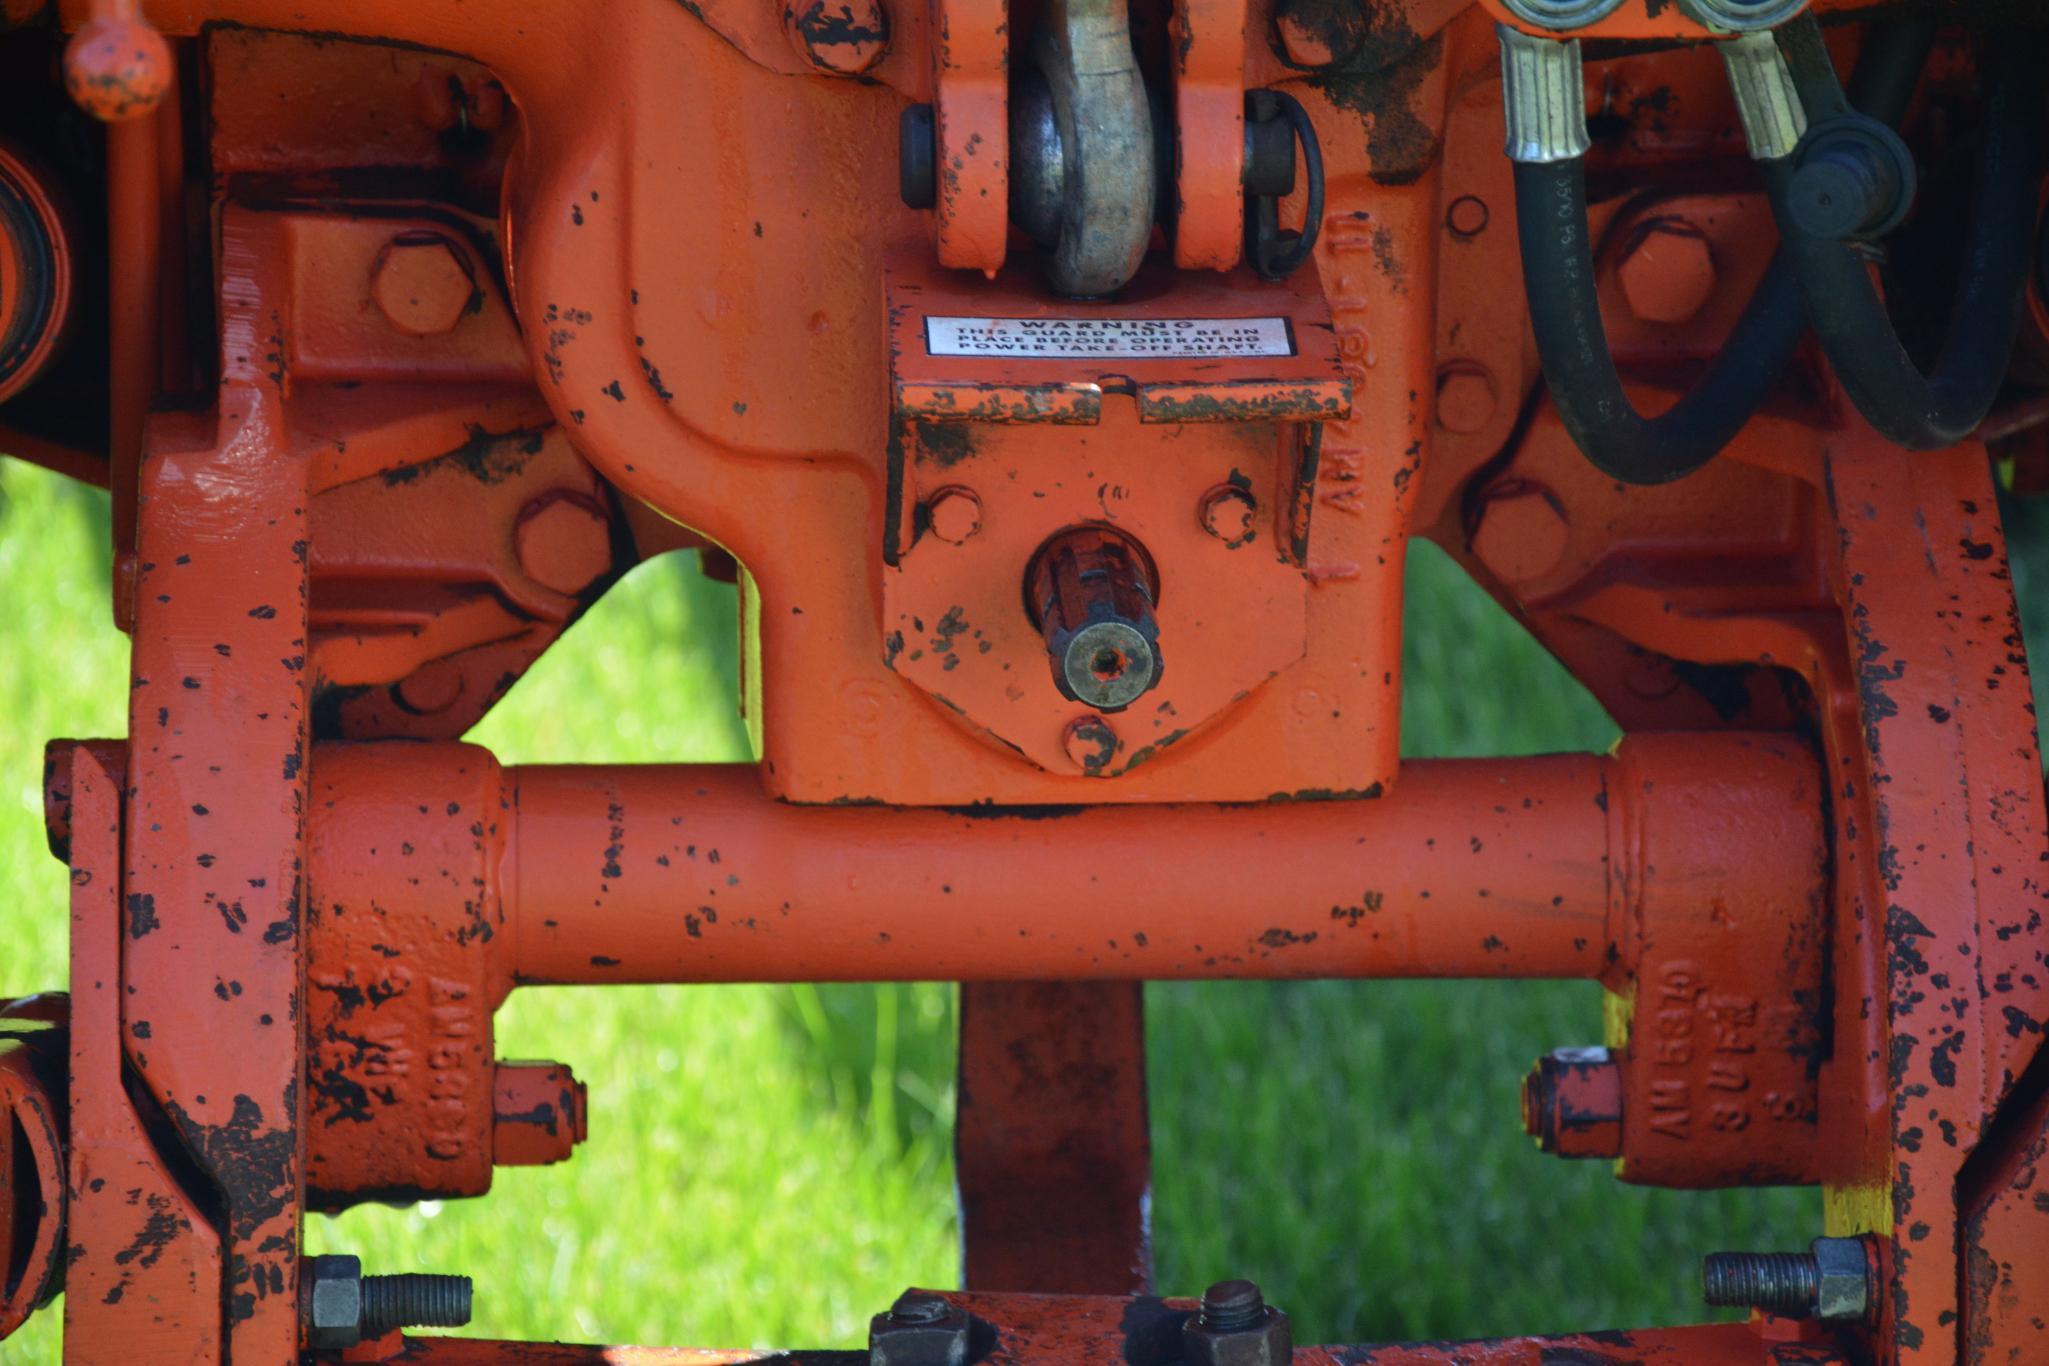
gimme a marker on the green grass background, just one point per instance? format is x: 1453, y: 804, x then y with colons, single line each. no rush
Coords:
x: 769, y: 1165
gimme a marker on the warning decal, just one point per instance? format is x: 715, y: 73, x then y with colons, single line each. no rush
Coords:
x: 1108, y: 338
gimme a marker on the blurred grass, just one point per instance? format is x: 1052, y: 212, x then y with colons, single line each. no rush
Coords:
x: 770, y: 1165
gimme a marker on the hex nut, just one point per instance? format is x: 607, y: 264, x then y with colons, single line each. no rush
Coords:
x: 422, y: 284
x: 333, y: 1290
x: 1572, y: 1103
x: 432, y: 688
x: 921, y: 1329
x: 1267, y: 1343
x: 839, y: 37
x: 1227, y: 513
x: 1522, y: 534
x: 1842, y: 1278
x: 1091, y: 743
x: 954, y: 514
x: 564, y: 541
x: 1668, y: 275
x: 1465, y: 397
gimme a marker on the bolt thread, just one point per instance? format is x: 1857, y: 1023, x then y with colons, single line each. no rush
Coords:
x: 1779, y: 1282
x: 414, y: 1301
x: 1230, y: 1306
x: 911, y: 1307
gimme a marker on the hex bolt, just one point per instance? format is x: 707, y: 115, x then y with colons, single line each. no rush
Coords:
x: 414, y: 1301
x: 1237, y: 1327
x: 1522, y: 534
x: 954, y: 515
x: 1668, y: 273
x: 1226, y: 513
x: 339, y: 1306
x: 920, y: 1329
x: 432, y: 688
x: 918, y: 1306
x: 1830, y: 1281
x: 839, y: 37
x: 1572, y: 1103
x: 1776, y: 1282
x: 564, y: 541
x: 423, y: 284
x: 1465, y: 397
x: 1230, y: 1306
x: 1091, y: 743
x: 539, y: 1113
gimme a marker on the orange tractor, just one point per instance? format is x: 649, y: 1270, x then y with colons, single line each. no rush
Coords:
x: 1063, y: 381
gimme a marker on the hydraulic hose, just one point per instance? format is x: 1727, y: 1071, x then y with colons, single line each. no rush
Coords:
x: 1565, y: 310
x: 1909, y: 408
x: 1579, y: 369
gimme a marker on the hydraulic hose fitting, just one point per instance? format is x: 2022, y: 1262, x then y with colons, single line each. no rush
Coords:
x: 1855, y: 180
x: 1544, y: 100
x: 1743, y: 16
x: 1767, y: 101
x: 1543, y: 97
x: 1561, y: 15
x: 1912, y: 407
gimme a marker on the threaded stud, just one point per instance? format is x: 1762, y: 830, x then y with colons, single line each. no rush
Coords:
x: 1232, y: 1306
x: 414, y: 1301
x: 1785, y: 1283
x: 917, y: 1307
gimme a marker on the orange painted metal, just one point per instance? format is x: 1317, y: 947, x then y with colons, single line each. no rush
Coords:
x: 33, y: 1117
x: 1052, y: 1144
x: 1067, y: 1329
x: 219, y: 715
x: 539, y: 1113
x: 492, y: 325
x: 401, y: 1087
x: 436, y: 885
x: 1717, y: 1031
x: 1961, y: 977
x: 1043, y: 443
x: 2005, y: 1200
x: 1484, y: 869
x: 1208, y: 40
x: 835, y: 723
x: 166, y: 1297
x: 134, y: 252
x: 971, y: 130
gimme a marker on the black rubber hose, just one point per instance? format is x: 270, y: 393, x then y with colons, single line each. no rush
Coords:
x: 1565, y: 310
x: 1849, y: 317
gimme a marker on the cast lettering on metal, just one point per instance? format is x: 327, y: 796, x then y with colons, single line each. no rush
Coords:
x: 1108, y: 338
